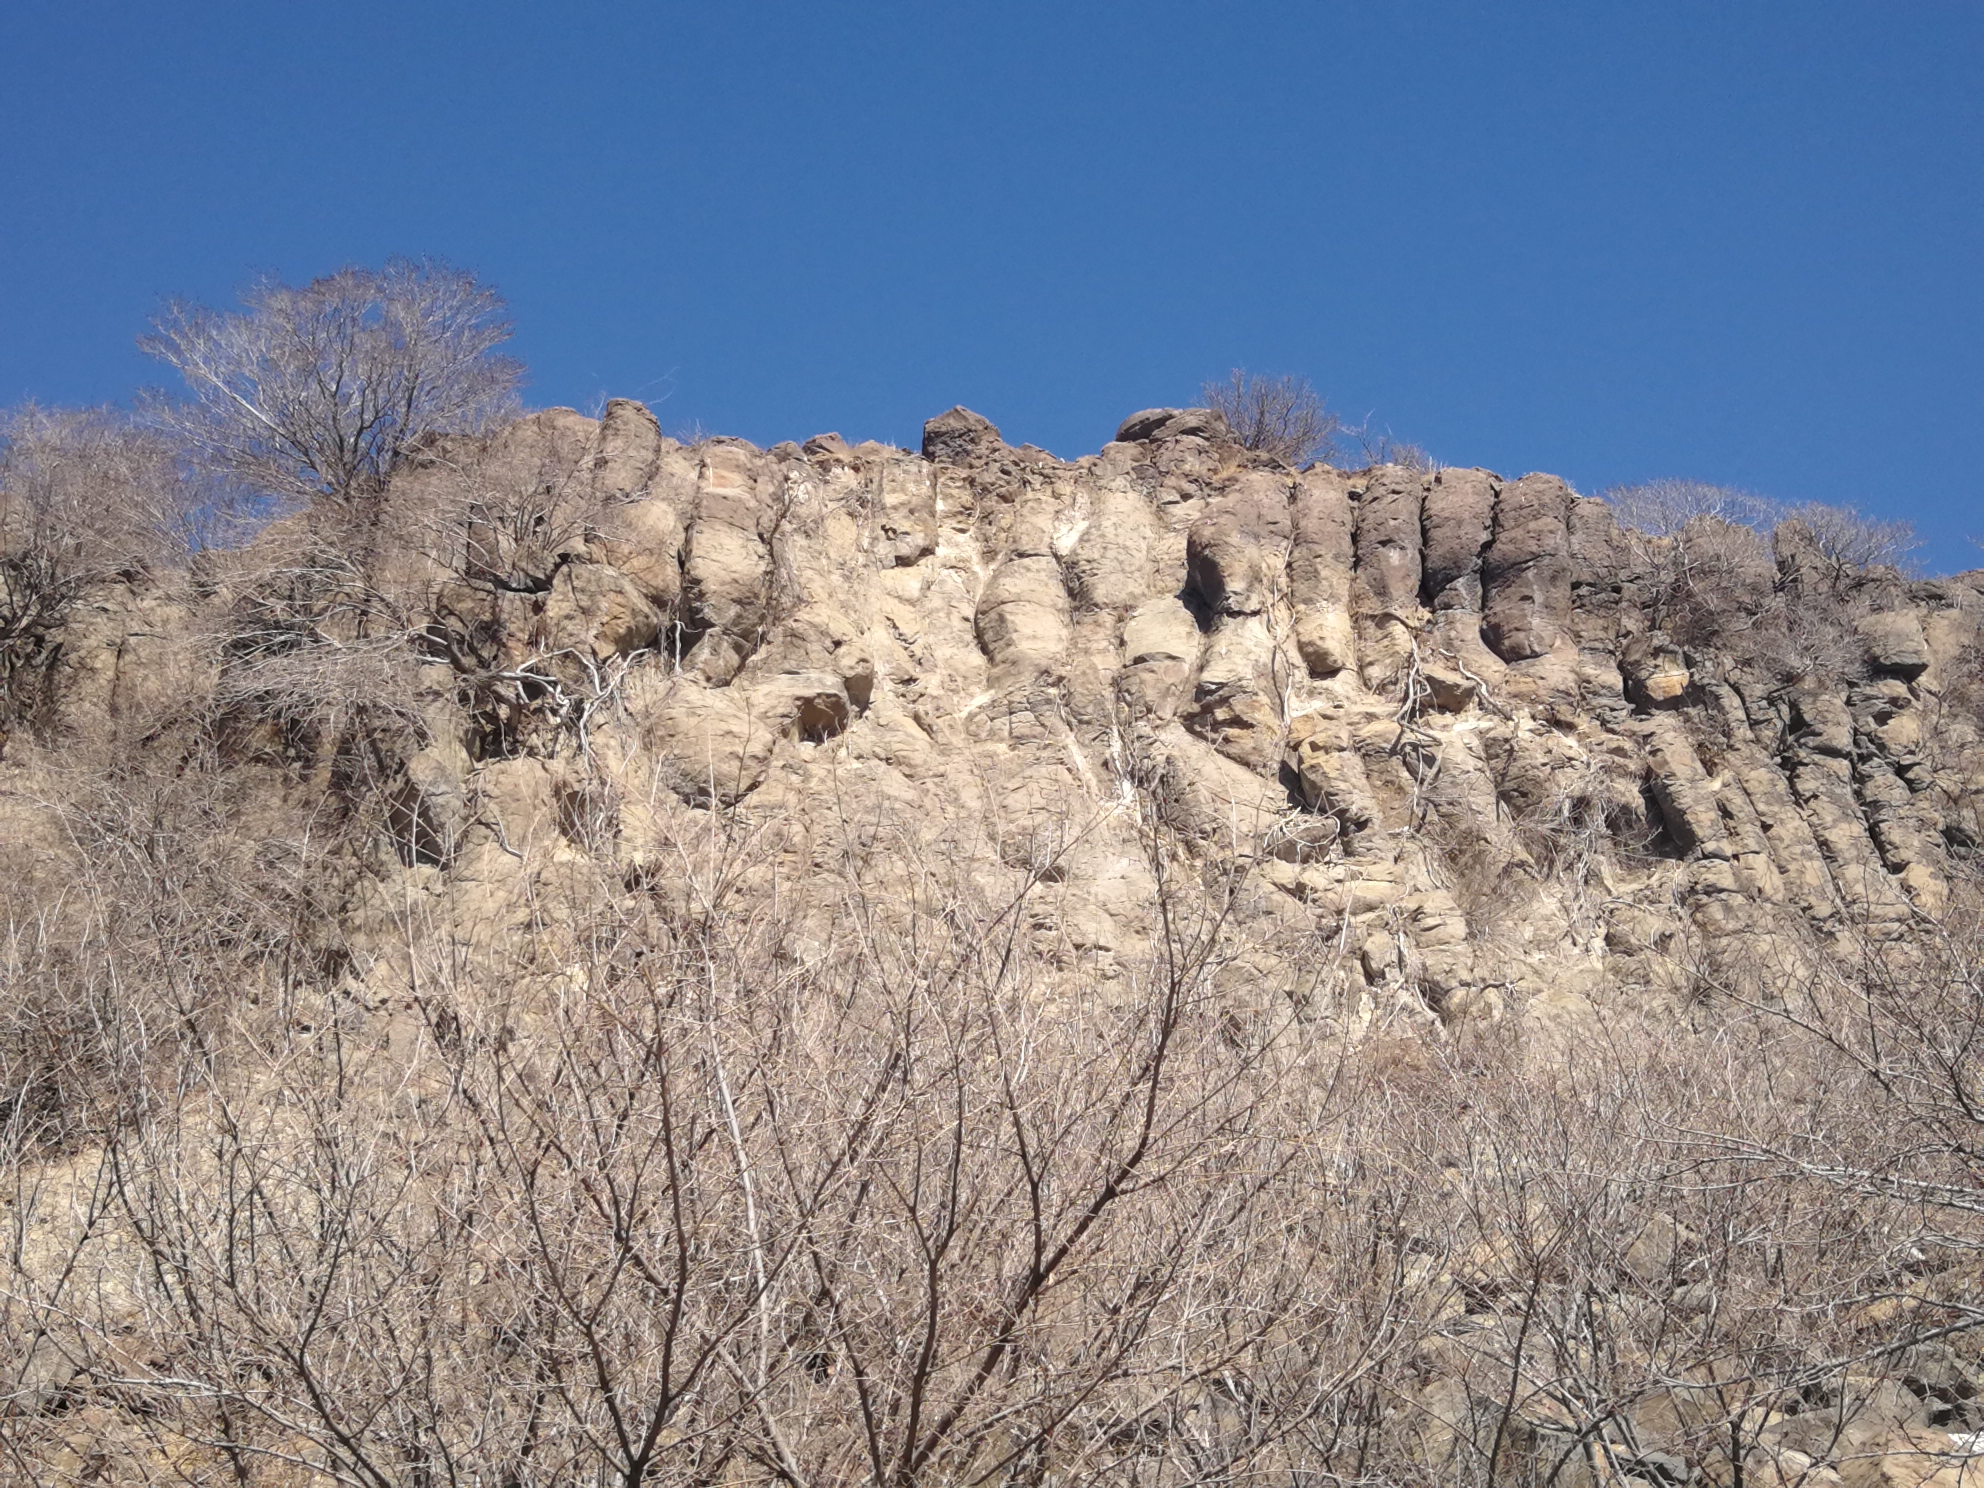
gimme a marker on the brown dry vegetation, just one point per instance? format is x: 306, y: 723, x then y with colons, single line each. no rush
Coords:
x: 652, y: 1196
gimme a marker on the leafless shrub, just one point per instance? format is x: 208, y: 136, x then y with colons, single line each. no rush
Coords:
x: 695, y: 1210
x: 1898, y: 1025
x: 1768, y: 585
x: 321, y: 391
x: 342, y: 616
x: 175, y: 896
x: 1281, y: 416
x: 1381, y: 447
x: 1845, y: 540
x: 86, y: 498
x: 1663, y: 508
x: 638, y: 1196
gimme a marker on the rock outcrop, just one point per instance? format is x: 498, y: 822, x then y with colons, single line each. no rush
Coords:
x: 1457, y: 769
x: 1409, y: 689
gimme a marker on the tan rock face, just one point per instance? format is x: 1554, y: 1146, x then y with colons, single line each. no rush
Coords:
x: 1385, y: 699
x: 1237, y: 553
x: 1465, y: 793
x: 1321, y: 561
x: 1024, y: 619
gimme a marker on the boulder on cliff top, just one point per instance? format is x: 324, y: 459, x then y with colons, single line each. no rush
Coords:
x: 957, y: 435
x: 1153, y: 424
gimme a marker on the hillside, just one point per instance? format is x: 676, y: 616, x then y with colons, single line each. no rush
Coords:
x: 619, y: 960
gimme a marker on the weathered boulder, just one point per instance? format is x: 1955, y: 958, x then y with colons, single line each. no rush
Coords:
x: 1154, y: 424
x: 1600, y: 562
x: 1236, y: 705
x: 596, y: 611
x: 1161, y: 630
x: 1385, y: 594
x: 708, y: 745
x: 1024, y: 620
x: 905, y: 507
x: 1655, y: 671
x: 1322, y: 558
x: 1895, y: 643
x: 630, y: 444
x: 1388, y: 536
x: 1323, y: 757
x: 727, y: 564
x: 1109, y: 564
x: 643, y: 539
x: 1681, y: 786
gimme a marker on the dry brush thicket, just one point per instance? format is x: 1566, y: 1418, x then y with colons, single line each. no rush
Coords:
x: 569, y: 957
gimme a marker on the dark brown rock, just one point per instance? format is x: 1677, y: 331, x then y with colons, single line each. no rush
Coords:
x: 1387, y: 536
x: 1526, y: 572
x: 1458, y: 518
x: 1154, y: 424
x: 959, y: 436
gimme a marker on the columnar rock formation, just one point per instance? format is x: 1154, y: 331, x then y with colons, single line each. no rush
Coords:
x: 1440, y: 721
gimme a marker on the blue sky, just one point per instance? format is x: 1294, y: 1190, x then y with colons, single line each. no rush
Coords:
x: 1735, y: 242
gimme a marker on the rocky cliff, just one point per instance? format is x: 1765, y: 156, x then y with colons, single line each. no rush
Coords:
x: 1492, y: 749
x: 1459, y: 762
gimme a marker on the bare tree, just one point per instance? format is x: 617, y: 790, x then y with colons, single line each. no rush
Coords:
x: 1844, y: 538
x: 1281, y: 416
x: 321, y: 391
x: 1663, y: 508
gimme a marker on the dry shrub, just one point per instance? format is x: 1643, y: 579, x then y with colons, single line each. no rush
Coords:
x: 1280, y: 416
x: 682, y: 1207
x: 1382, y: 447
x: 642, y: 1194
x: 1769, y: 587
x: 86, y: 499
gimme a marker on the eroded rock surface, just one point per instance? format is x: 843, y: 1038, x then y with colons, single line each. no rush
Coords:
x: 1436, y: 719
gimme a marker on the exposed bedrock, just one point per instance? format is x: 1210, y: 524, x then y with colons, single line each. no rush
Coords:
x: 1526, y: 570
x: 1450, y: 726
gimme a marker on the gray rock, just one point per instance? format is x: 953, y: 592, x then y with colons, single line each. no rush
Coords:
x: 1155, y: 424
x: 955, y: 437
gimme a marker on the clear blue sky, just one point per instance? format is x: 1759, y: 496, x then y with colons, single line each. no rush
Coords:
x: 1738, y: 242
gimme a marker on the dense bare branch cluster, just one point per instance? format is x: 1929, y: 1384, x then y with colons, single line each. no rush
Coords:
x: 647, y: 1200
x: 86, y: 497
x: 1767, y: 582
